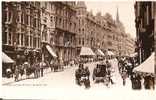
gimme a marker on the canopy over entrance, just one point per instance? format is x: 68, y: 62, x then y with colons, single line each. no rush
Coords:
x: 147, y: 66
x: 51, y: 51
x: 99, y: 52
x: 6, y: 59
x: 86, y: 51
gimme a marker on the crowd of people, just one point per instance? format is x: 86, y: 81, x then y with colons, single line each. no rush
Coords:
x: 139, y: 80
x: 34, y: 70
x: 101, y: 73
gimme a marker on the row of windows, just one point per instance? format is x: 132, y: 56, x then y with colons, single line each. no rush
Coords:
x: 29, y: 20
x: 60, y: 22
x: 21, y: 39
x: 81, y: 30
x: 23, y: 18
x: 81, y: 41
x: 25, y: 40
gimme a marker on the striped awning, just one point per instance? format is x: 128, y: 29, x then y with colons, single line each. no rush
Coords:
x: 50, y: 50
x: 99, y: 52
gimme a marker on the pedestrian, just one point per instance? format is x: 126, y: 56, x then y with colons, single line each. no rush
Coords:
x: 16, y: 73
x: 34, y: 70
x: 132, y: 78
x: 42, y: 67
x: 108, y: 66
x: 124, y: 76
x: 152, y: 82
x: 79, y: 73
x: 52, y: 65
x: 37, y: 70
x: 56, y: 65
x: 86, y: 72
x: 149, y: 82
x: 138, y: 79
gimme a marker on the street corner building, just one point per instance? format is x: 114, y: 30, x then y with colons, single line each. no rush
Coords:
x: 102, y: 32
x: 145, y: 13
x: 57, y: 30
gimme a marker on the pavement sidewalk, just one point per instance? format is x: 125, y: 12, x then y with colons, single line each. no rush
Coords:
x: 7, y: 81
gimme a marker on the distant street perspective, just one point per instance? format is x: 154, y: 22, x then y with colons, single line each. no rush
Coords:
x: 63, y: 45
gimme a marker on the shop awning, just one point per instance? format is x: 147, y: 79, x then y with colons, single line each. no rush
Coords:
x: 147, y: 66
x: 99, y: 52
x: 51, y: 51
x: 86, y: 51
x: 110, y: 53
x: 6, y: 59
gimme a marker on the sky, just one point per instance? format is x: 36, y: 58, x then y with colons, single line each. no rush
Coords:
x: 125, y: 9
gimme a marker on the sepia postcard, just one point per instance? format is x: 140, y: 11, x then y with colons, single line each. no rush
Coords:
x: 67, y: 50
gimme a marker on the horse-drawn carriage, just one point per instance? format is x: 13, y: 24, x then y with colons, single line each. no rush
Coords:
x: 100, y: 74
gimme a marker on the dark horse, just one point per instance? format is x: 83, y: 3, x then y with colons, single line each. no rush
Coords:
x: 30, y: 69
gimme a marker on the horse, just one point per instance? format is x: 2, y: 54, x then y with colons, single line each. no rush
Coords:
x: 30, y: 69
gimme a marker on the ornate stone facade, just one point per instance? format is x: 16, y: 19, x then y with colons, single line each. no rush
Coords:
x: 97, y: 31
x: 59, y: 28
x: 20, y: 28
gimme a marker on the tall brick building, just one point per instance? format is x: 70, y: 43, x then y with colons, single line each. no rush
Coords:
x: 21, y: 30
x: 59, y: 28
